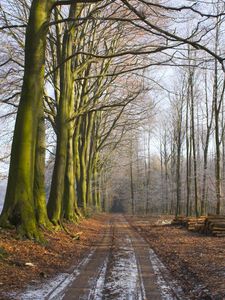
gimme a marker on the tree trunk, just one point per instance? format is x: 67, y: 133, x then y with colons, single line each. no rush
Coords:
x: 131, y: 180
x: 70, y: 207
x: 209, y: 120
x: 187, y: 160
x: 97, y: 199
x: 19, y: 203
x: 148, y: 175
x: 39, y: 175
x: 83, y: 167
x: 217, y: 110
x: 62, y: 126
x: 178, y: 180
x: 192, y: 110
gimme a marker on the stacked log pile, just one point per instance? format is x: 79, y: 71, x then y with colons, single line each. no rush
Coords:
x: 210, y: 225
x: 191, y: 223
x: 179, y: 220
x: 215, y: 225
x: 196, y: 224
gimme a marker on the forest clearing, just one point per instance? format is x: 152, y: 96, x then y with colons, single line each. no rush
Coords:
x: 112, y: 149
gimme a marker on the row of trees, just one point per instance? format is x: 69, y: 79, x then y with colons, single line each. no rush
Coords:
x: 177, y: 162
x: 82, y: 80
x: 72, y: 80
x: 187, y: 176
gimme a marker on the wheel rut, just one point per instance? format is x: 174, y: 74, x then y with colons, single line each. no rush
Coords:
x: 121, y: 267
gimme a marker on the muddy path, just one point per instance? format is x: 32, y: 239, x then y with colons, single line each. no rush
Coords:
x: 122, y: 266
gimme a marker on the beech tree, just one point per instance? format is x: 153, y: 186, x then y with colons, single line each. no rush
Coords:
x: 19, y: 202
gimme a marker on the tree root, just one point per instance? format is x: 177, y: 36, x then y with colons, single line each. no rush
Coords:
x: 45, y: 225
x: 5, y: 223
x: 33, y: 233
x: 75, y: 236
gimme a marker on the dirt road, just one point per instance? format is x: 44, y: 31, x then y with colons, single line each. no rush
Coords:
x: 118, y: 269
x: 121, y: 267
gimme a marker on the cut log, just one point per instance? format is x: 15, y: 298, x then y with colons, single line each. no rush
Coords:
x: 211, y: 225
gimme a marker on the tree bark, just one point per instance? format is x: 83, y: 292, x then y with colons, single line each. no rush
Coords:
x: 19, y: 203
x: 39, y: 175
x: 62, y: 126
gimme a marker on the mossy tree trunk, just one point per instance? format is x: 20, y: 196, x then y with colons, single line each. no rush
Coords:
x: 55, y: 203
x: 83, y: 168
x: 88, y: 154
x: 39, y: 175
x: 69, y: 200
x: 96, y: 179
x: 19, y: 203
x: 77, y: 168
x: 70, y: 207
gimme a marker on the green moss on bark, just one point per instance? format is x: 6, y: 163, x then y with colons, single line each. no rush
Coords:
x: 18, y: 207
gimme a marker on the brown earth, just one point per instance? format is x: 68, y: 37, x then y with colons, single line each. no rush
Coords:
x: 118, y: 268
x: 59, y: 252
x: 195, y: 260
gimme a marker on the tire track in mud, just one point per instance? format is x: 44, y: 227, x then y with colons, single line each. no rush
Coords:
x: 69, y: 285
x: 90, y: 281
x: 146, y: 283
x: 168, y: 286
x: 128, y: 274
x: 121, y: 267
x: 122, y: 276
x: 134, y: 271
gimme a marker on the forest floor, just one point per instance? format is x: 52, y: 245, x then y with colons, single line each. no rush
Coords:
x: 116, y: 257
x: 195, y: 260
x: 24, y: 262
